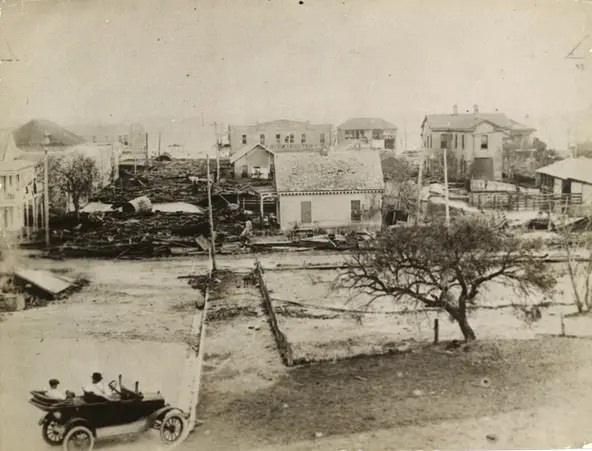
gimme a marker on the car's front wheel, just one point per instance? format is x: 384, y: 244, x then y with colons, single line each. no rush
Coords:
x: 79, y: 438
x: 172, y: 427
x: 53, y: 433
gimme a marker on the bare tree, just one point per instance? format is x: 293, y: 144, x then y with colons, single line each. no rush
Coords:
x: 579, y: 272
x: 73, y: 175
x: 444, y: 268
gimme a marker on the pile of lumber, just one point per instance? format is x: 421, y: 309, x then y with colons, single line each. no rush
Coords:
x: 141, y: 235
x: 164, y: 181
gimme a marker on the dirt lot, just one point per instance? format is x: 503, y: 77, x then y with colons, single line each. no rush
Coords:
x: 132, y: 319
x: 372, y: 403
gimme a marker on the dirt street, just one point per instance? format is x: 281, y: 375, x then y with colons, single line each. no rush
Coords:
x: 133, y: 319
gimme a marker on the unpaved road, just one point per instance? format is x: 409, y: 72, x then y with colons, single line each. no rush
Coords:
x: 133, y: 319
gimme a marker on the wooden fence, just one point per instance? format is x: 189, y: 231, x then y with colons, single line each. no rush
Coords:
x: 282, y: 341
x: 523, y: 201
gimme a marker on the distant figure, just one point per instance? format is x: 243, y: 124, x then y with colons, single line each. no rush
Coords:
x: 244, y: 236
x: 53, y: 391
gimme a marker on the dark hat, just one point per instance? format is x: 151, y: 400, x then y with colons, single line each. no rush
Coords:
x: 53, y: 382
x: 97, y: 377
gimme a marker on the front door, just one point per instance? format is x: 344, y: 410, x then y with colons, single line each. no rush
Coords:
x: 306, y: 212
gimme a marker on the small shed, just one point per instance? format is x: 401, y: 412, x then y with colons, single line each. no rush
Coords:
x: 253, y: 162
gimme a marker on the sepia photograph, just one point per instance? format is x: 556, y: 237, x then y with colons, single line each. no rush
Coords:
x: 293, y: 225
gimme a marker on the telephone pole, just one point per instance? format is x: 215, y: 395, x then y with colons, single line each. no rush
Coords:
x: 419, y: 187
x: 211, y: 216
x: 46, y: 189
x: 446, y: 183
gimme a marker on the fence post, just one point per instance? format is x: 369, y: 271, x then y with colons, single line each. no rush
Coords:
x: 436, y: 330
x: 562, y: 326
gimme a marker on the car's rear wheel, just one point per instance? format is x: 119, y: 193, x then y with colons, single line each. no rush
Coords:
x: 172, y: 427
x: 79, y: 438
x: 53, y: 433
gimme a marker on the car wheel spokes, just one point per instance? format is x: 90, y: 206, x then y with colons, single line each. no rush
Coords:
x: 172, y: 429
x: 81, y: 440
x: 54, y: 433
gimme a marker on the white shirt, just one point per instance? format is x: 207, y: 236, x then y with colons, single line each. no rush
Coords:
x: 54, y: 393
x: 99, y: 388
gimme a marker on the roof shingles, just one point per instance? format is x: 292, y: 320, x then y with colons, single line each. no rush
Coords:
x: 470, y: 121
x: 341, y: 171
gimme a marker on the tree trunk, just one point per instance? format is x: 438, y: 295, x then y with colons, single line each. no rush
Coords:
x: 460, y: 315
x: 466, y: 329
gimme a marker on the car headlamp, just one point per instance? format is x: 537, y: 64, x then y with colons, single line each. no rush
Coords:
x: 57, y: 415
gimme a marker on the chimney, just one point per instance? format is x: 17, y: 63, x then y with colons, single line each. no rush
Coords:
x: 455, y: 110
x: 475, y: 109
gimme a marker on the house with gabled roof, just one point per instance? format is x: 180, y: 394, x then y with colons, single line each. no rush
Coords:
x: 335, y: 191
x: 253, y: 161
x: 20, y: 194
x: 476, y: 139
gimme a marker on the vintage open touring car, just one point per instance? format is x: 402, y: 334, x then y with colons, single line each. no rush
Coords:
x: 74, y: 422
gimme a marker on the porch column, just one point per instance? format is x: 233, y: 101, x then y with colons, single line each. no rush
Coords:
x: 34, y: 214
x: 27, y: 218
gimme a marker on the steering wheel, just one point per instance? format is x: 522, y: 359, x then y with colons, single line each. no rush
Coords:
x: 113, y: 386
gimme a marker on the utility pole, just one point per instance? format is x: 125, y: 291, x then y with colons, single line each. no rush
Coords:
x: 217, y: 152
x: 446, y: 183
x: 46, y: 189
x: 419, y: 187
x: 212, y: 233
x: 159, y: 136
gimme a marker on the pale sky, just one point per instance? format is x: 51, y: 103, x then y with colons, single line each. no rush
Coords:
x: 88, y: 61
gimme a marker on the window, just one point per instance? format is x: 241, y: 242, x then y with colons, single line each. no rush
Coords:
x: 278, y: 138
x: 462, y: 139
x: 289, y: 138
x: 94, y: 139
x: 376, y: 134
x: 484, y: 141
x: 445, y: 140
x: 322, y: 138
x: 356, y: 210
x: 305, y: 212
x: 262, y: 139
x: 244, y: 139
x: 303, y: 138
x: 456, y: 141
x: 107, y: 139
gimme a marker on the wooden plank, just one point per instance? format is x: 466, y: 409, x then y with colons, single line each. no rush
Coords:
x: 44, y: 280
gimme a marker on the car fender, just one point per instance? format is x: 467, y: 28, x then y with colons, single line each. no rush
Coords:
x: 77, y: 421
x: 160, y: 413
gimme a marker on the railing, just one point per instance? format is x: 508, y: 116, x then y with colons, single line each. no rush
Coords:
x: 522, y: 201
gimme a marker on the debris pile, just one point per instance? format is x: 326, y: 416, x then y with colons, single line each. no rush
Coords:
x: 140, y: 235
x: 165, y: 181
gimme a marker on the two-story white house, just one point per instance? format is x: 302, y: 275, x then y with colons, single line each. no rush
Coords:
x: 20, y: 194
x: 476, y: 139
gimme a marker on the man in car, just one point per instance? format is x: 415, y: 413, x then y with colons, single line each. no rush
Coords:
x: 53, y: 391
x: 98, y: 386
